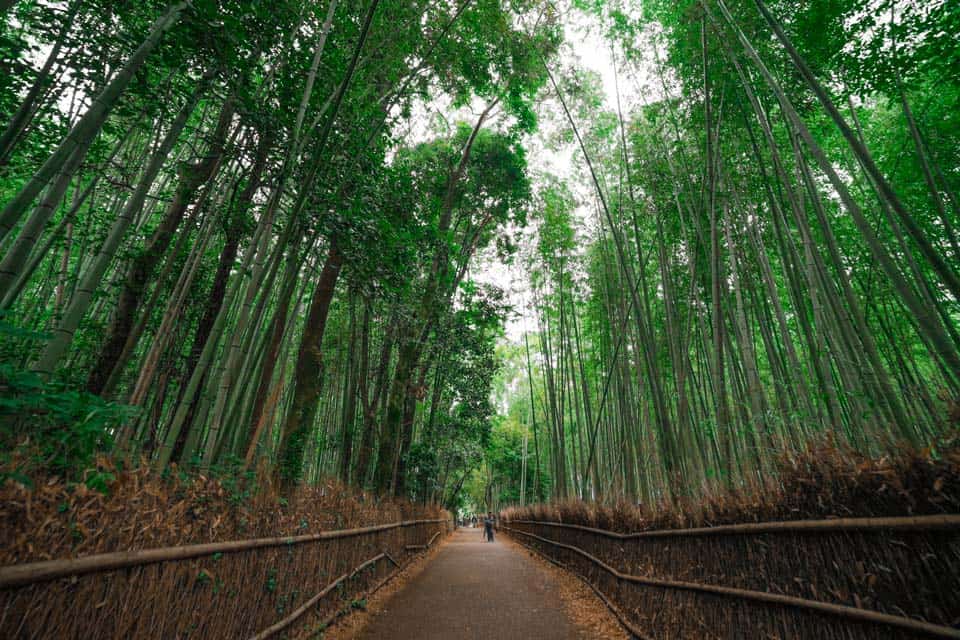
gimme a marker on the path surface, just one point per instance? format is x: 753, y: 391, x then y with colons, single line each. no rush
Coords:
x: 474, y: 590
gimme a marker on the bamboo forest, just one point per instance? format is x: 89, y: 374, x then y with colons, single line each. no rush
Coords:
x: 566, y: 269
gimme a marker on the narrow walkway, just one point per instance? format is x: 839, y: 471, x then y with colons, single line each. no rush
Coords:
x: 474, y: 590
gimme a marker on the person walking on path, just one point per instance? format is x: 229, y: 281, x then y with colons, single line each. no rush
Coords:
x: 488, y: 527
x: 471, y: 590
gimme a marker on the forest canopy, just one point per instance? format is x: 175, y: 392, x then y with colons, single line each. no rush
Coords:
x: 483, y: 252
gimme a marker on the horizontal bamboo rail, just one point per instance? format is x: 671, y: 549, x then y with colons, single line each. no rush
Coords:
x: 19, y: 575
x: 914, y: 523
x: 842, y: 611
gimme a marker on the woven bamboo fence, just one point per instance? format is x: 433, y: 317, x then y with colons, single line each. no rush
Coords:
x: 251, y: 588
x: 855, y: 578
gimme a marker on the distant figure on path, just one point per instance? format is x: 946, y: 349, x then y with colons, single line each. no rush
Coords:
x: 488, y: 527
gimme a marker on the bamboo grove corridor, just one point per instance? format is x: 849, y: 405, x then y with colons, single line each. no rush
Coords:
x: 669, y: 288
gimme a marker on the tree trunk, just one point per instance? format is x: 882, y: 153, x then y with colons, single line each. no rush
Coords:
x: 926, y: 318
x: 407, y: 356
x: 192, y: 177
x: 308, y: 375
x: 365, y: 455
x: 89, y: 281
x: 17, y: 257
x: 947, y: 274
x: 349, y: 402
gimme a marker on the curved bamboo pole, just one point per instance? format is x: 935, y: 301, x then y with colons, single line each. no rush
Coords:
x: 286, y: 622
x: 411, y: 547
x: 330, y: 619
x: 279, y: 626
x: 631, y: 628
x: 948, y: 522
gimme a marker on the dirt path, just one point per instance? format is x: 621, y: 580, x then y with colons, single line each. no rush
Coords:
x: 473, y: 590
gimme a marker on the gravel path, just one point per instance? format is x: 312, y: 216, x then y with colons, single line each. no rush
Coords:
x: 474, y: 590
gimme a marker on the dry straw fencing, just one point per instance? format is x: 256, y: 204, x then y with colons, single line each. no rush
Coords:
x: 851, y: 579
x: 253, y: 588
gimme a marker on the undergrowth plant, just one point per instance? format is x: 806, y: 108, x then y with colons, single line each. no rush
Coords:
x: 46, y: 425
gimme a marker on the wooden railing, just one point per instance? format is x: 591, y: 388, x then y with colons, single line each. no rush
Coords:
x: 641, y: 575
x: 204, y: 590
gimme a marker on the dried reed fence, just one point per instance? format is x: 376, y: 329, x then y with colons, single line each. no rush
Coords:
x: 821, y: 579
x: 214, y: 574
x: 838, y: 578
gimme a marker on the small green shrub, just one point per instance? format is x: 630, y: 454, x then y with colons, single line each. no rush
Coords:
x: 47, y: 427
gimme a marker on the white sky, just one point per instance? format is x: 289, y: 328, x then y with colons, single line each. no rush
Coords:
x: 586, y: 50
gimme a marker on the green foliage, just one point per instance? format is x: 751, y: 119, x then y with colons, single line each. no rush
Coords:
x: 716, y: 309
x: 270, y: 584
x: 52, y: 427
x: 459, y: 428
x: 745, y: 336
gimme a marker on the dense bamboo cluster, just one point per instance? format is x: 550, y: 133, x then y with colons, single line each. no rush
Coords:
x: 219, y: 251
x: 761, y: 253
x: 241, y: 235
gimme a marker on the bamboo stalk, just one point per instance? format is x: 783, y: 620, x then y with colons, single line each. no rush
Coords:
x: 948, y: 522
x: 32, y: 572
x: 840, y: 611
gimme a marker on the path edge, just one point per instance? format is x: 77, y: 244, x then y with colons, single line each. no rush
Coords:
x: 344, y: 612
x: 614, y: 609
